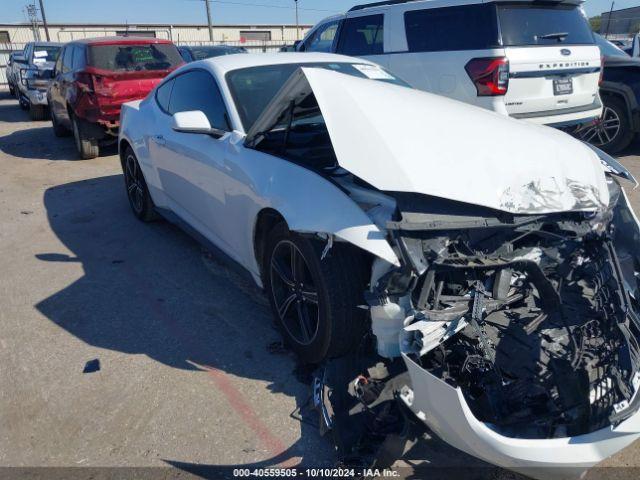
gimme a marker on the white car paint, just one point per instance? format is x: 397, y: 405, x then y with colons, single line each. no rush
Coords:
x: 390, y: 137
x: 532, y: 170
x: 232, y: 181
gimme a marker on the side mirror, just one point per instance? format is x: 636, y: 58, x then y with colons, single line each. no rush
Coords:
x: 298, y: 46
x: 194, y: 121
x: 19, y: 58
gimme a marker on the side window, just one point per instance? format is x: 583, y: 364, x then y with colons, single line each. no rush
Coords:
x: 163, y: 95
x: 197, y: 90
x: 67, y: 60
x: 78, y: 57
x: 362, y: 36
x: 431, y: 30
x: 27, y: 53
x: 322, y: 39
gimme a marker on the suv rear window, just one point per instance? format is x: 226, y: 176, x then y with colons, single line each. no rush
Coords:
x: 131, y: 58
x: 535, y: 24
x: 468, y: 27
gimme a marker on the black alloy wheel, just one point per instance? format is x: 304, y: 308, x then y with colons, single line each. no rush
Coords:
x: 294, y: 293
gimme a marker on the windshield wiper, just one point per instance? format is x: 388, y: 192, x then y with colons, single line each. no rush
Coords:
x: 560, y: 36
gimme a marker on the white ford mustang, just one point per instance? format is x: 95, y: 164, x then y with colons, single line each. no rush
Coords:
x: 498, y: 259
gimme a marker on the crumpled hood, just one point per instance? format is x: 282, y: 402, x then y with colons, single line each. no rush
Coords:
x: 405, y: 140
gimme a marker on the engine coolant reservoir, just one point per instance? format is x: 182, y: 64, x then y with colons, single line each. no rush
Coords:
x: 387, y: 322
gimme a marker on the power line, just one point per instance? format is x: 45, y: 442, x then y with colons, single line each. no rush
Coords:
x: 270, y: 6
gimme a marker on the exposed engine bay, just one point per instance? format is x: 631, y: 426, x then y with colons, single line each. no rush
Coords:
x: 534, y: 318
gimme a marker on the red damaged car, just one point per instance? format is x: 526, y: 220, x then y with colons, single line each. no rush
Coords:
x: 94, y: 77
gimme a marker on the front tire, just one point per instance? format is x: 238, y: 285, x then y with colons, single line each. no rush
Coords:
x: 87, y: 147
x: 315, y: 301
x: 136, y: 187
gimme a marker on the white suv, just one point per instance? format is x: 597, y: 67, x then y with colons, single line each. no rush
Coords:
x: 530, y: 60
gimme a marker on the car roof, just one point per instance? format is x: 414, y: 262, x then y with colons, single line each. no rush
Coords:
x: 440, y: 3
x: 47, y: 44
x: 228, y: 63
x: 120, y: 40
x: 211, y: 47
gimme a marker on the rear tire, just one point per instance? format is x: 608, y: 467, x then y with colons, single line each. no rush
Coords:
x: 37, y: 112
x: 12, y: 91
x: 58, y: 129
x: 136, y: 187
x: 87, y: 147
x: 333, y: 324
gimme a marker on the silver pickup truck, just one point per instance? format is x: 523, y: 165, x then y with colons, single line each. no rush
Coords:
x: 29, y: 74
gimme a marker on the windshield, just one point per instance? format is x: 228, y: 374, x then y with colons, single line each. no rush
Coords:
x: 608, y: 49
x: 253, y: 88
x: 200, y: 53
x: 130, y: 58
x: 543, y: 24
x: 42, y: 53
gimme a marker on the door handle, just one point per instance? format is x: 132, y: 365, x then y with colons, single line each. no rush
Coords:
x: 159, y: 139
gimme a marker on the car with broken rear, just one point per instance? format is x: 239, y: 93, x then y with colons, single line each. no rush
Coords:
x: 503, y: 276
x: 94, y: 77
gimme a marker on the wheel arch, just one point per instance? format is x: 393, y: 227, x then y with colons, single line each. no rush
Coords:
x: 123, y: 143
x: 624, y: 93
x: 266, y: 219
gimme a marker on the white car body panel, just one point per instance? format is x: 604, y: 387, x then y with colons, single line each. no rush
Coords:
x: 444, y: 409
x: 396, y: 139
x: 532, y: 170
x: 206, y: 181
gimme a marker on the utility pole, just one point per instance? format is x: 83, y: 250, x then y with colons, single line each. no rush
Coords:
x: 33, y: 18
x: 206, y: 2
x: 297, y: 27
x: 606, y: 35
x: 44, y: 21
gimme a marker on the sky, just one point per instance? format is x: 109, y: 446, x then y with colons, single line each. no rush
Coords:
x: 193, y: 11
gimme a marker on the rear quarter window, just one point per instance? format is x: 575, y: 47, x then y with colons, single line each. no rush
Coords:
x: 543, y: 24
x: 362, y: 36
x: 163, y: 95
x: 131, y: 58
x: 469, y: 27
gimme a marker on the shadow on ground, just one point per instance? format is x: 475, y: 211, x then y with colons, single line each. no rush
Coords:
x: 38, y: 142
x: 633, y: 149
x: 150, y: 289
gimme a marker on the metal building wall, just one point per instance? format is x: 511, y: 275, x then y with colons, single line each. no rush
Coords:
x: 23, y: 33
x: 181, y: 34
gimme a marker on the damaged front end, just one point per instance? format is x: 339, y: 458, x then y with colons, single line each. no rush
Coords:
x: 520, y: 332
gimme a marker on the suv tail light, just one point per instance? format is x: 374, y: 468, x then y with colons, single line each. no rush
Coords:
x: 489, y: 75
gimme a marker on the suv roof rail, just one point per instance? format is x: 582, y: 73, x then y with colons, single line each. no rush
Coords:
x: 380, y: 4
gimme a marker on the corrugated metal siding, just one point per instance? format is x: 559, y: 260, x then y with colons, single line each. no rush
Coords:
x: 178, y: 33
